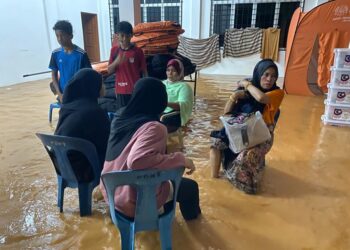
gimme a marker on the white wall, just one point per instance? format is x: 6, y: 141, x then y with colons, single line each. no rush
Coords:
x: 24, y: 46
x: 104, y: 29
x: 27, y: 38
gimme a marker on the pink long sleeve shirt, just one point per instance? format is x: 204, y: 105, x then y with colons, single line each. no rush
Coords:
x: 146, y: 150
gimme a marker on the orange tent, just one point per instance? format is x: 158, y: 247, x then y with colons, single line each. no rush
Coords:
x: 312, y: 38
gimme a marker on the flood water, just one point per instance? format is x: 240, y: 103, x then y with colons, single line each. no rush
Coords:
x: 303, y: 204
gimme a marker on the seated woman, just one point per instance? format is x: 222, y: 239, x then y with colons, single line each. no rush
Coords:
x: 180, y: 97
x: 138, y: 141
x: 257, y: 94
x: 81, y: 117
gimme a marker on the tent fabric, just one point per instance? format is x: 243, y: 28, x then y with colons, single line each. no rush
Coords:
x: 327, y: 43
x: 303, y: 32
x: 292, y: 30
x: 202, y: 52
x: 242, y: 42
x: 270, y: 44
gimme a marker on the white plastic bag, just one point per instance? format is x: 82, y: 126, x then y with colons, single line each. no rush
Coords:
x: 245, y: 131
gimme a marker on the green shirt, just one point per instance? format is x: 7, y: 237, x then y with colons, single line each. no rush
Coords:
x: 181, y: 93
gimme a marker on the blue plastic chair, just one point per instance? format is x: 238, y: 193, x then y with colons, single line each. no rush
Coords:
x: 54, y: 105
x: 57, y: 147
x: 147, y: 216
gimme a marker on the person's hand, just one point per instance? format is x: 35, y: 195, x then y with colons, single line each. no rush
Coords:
x: 189, y: 164
x: 244, y: 83
x: 120, y: 58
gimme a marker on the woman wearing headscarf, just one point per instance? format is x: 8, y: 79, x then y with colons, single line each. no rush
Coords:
x: 180, y: 97
x: 138, y: 141
x: 260, y: 93
x: 81, y: 117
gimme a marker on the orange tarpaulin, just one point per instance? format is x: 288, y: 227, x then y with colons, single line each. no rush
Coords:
x: 157, y: 41
x: 304, y: 29
x: 155, y: 27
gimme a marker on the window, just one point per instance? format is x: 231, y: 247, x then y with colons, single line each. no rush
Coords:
x: 113, y: 15
x: 172, y: 13
x: 222, y: 15
x: 265, y: 13
x: 226, y: 14
x: 286, y: 13
x: 153, y: 14
x: 243, y: 15
x: 161, y: 10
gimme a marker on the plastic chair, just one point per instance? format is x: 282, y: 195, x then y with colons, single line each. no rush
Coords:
x: 54, y: 105
x: 147, y: 216
x: 58, y: 147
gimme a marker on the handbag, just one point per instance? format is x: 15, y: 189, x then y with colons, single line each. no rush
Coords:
x: 245, y: 130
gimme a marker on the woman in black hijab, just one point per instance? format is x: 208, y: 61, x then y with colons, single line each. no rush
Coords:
x: 260, y: 93
x: 147, y: 102
x: 81, y: 117
x: 138, y: 141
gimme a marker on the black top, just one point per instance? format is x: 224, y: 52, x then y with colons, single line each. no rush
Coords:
x: 81, y: 117
x: 148, y: 101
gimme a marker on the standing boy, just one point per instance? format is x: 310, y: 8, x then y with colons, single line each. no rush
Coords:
x: 128, y: 62
x: 67, y: 60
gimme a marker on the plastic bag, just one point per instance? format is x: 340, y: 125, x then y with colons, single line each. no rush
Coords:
x: 245, y: 131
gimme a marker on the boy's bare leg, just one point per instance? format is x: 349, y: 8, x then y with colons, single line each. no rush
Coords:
x: 215, y: 162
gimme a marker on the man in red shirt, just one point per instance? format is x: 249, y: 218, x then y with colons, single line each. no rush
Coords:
x: 128, y: 62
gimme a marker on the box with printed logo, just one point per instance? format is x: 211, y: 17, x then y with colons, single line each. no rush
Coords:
x: 340, y: 77
x: 342, y: 58
x: 339, y: 112
x: 338, y: 94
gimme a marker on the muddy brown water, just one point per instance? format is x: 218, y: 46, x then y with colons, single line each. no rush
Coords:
x: 303, y: 204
